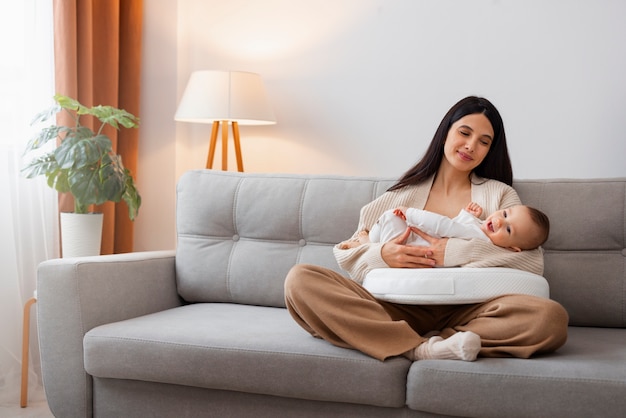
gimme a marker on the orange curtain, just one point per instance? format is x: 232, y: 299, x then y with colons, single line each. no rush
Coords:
x: 97, y: 50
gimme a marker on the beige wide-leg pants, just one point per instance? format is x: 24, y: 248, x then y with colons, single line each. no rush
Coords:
x: 339, y: 310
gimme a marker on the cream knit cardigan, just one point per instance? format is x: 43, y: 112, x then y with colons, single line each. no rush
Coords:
x: 491, y: 195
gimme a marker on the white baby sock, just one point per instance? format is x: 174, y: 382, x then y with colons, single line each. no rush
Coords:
x: 460, y: 346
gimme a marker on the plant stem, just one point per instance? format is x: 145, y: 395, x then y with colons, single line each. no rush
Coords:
x: 78, y: 208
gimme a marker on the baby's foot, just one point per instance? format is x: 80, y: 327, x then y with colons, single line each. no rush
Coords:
x: 364, y: 237
x: 400, y: 212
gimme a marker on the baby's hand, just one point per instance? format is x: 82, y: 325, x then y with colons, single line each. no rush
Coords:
x: 401, y: 212
x: 474, y: 209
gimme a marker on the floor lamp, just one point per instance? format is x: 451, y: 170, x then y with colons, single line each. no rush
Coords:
x: 225, y: 98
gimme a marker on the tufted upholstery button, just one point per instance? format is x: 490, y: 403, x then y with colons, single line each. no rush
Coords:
x: 302, y: 243
x: 236, y: 237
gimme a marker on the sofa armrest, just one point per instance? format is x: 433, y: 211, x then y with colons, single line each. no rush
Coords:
x: 77, y: 294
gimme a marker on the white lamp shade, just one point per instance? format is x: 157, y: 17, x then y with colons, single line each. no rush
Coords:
x: 232, y: 96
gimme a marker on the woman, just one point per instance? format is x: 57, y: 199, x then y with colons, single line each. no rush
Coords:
x: 467, y: 160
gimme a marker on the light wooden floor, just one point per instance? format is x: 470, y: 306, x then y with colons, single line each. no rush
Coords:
x: 33, y: 410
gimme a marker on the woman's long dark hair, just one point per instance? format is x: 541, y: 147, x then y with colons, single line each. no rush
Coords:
x: 496, y: 165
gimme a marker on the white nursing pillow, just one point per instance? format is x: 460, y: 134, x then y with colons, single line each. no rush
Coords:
x: 448, y: 286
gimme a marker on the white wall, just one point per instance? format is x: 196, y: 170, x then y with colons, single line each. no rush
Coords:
x: 359, y: 86
x: 156, y: 179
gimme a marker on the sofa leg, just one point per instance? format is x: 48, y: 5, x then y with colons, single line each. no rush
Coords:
x: 25, y: 346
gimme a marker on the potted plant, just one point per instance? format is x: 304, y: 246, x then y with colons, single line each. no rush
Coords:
x: 84, y: 163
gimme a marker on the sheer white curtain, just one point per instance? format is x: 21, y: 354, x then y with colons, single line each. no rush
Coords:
x: 28, y: 221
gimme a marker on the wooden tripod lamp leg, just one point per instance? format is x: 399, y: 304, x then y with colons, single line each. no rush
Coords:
x: 213, y: 144
x: 224, y: 145
x: 237, y: 146
x: 211, y: 155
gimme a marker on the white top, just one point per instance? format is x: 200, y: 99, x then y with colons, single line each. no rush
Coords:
x: 464, y: 225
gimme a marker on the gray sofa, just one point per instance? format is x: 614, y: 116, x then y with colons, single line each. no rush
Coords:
x: 203, y: 331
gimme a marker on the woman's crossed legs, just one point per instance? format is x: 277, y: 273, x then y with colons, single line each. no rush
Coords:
x: 339, y: 310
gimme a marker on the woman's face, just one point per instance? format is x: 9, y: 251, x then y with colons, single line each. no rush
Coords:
x: 468, y: 142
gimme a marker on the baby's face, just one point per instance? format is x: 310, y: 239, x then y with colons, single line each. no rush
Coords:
x: 509, y: 228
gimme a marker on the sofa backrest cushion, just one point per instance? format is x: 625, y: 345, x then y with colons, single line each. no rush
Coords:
x: 239, y: 234
x: 585, y: 254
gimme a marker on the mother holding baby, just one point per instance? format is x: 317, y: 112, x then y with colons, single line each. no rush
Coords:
x: 466, y: 161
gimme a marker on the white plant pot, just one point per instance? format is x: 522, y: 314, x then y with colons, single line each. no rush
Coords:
x: 81, y: 234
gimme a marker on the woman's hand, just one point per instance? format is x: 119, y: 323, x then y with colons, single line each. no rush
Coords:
x: 399, y: 255
x: 437, y: 246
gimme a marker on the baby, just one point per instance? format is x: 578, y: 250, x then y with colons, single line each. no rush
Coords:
x: 516, y: 228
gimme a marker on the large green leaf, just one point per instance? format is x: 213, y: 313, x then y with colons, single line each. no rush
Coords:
x: 43, y: 137
x: 40, y: 165
x: 57, y: 179
x: 113, y: 116
x: 68, y: 103
x: 46, y: 114
x: 112, y: 177
x: 131, y: 196
x: 85, y: 185
x: 82, y: 150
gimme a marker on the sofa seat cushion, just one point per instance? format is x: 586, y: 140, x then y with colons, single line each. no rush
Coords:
x: 241, y: 348
x: 588, y: 371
